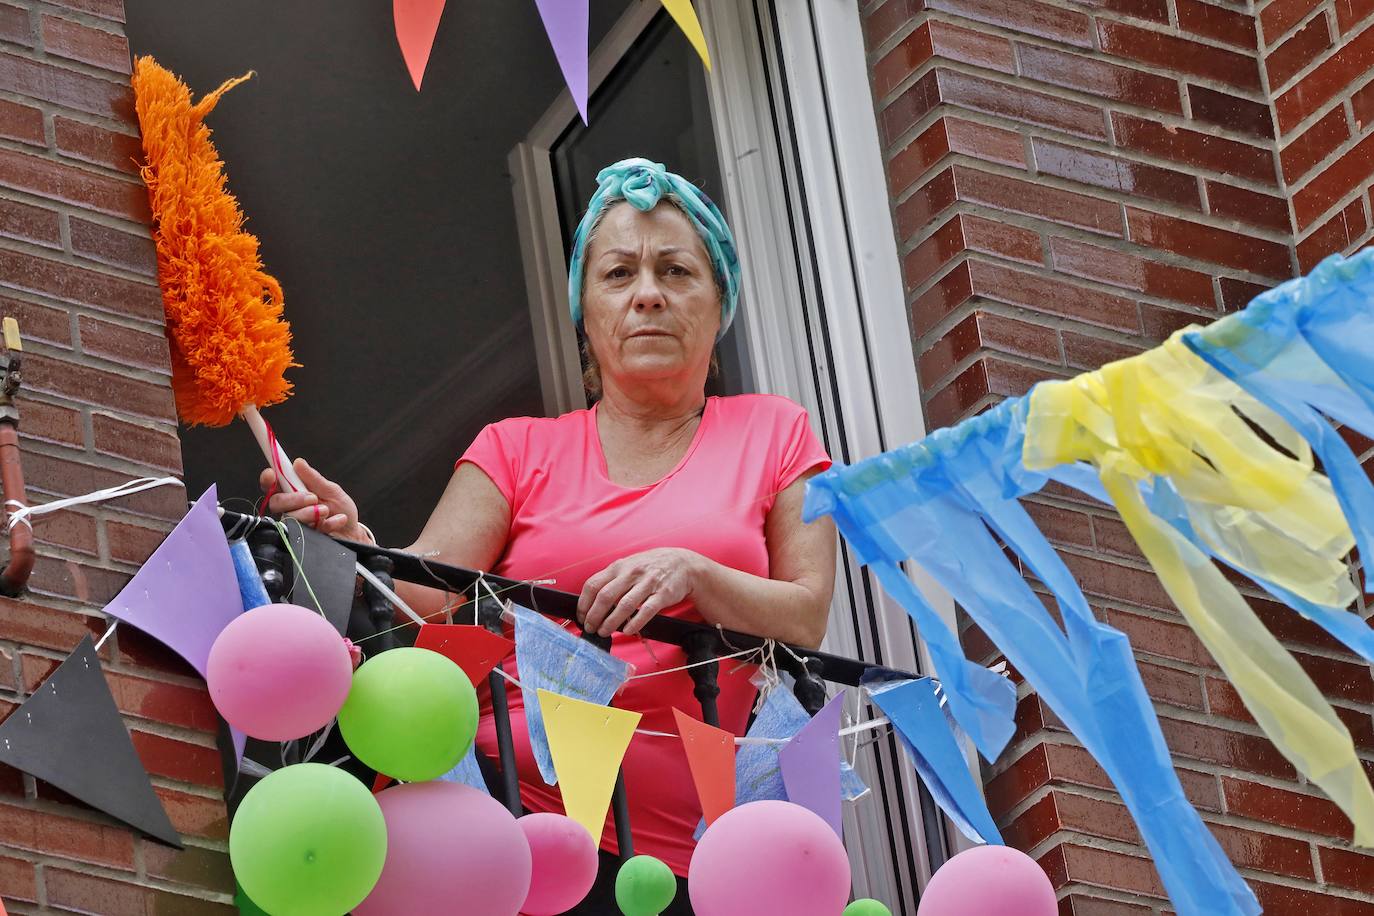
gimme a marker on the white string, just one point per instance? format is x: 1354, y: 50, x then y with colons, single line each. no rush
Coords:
x: 22, y: 513
x: 869, y: 725
x: 388, y: 594
x: 109, y: 631
x: 709, y: 661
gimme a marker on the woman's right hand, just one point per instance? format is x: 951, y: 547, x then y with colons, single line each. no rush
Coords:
x: 323, y: 505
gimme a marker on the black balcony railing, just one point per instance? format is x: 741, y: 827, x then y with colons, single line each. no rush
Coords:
x: 372, y: 618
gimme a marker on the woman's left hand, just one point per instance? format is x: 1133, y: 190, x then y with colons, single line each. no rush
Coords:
x: 628, y: 593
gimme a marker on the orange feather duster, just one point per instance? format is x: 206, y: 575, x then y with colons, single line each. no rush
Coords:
x: 230, y: 345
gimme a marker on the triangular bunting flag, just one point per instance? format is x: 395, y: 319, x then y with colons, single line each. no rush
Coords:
x: 380, y: 783
x: 686, y: 18
x: 711, y: 757
x: 566, y: 23
x: 810, y: 765
x: 587, y: 742
x: 915, y: 713
x: 474, y: 649
x: 186, y: 592
x: 417, y: 22
x: 325, y: 577
x: 69, y: 733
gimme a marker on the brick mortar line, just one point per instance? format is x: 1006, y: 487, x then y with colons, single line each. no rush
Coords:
x: 1066, y: 93
x: 77, y: 309
x: 1269, y: 47
x: 1319, y: 222
x: 1092, y: 54
x: 1070, y: 836
x: 51, y: 152
x: 63, y: 354
x: 1314, y: 840
x: 963, y: 310
x: 1094, y: 16
x: 1122, y: 244
x: 129, y: 878
x: 1106, y: 195
x: 52, y: 109
x: 1316, y: 114
x: 945, y: 108
x: 1337, y: 45
x: 39, y: 55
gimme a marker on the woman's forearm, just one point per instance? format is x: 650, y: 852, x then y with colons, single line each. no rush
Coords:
x: 790, y: 611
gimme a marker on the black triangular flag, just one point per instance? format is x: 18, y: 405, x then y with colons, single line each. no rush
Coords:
x: 69, y: 733
x: 331, y: 570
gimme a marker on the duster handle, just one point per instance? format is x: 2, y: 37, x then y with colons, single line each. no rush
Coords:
x: 280, y: 462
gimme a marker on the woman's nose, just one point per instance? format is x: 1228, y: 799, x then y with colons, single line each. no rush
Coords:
x: 648, y: 295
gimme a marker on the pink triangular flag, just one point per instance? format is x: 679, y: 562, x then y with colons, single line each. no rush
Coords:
x: 474, y: 649
x: 711, y: 757
x: 566, y: 23
x: 810, y: 765
x: 417, y: 22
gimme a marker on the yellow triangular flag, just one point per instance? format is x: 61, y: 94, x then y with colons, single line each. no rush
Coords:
x: 686, y: 18
x: 587, y: 743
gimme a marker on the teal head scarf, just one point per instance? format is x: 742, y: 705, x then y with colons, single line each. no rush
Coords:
x: 643, y: 184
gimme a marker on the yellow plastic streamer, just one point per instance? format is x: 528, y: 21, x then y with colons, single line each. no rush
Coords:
x: 686, y: 18
x: 1167, y: 414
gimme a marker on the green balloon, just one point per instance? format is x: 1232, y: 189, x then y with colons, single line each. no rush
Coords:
x: 644, y: 886
x: 308, y: 840
x: 410, y: 714
x: 866, y: 907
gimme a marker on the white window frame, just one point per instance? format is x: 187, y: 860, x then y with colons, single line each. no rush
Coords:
x: 834, y: 336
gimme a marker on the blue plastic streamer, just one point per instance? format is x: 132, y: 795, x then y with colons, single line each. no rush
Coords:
x: 914, y: 710
x: 467, y: 772
x: 551, y: 658
x: 958, y: 487
x: 981, y: 701
x: 246, y: 571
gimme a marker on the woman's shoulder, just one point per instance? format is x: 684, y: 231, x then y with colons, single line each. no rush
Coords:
x: 539, y: 426
x: 754, y: 408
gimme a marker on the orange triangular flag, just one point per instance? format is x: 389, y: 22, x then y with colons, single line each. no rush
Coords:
x: 711, y: 756
x: 474, y: 649
x: 417, y: 22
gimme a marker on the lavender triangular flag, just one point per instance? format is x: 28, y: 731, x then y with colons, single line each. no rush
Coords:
x: 187, y: 592
x: 566, y: 23
x: 69, y: 733
x: 810, y: 765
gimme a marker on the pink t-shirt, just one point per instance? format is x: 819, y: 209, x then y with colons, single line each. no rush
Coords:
x: 569, y: 521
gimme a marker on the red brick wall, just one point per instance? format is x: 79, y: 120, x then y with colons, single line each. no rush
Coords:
x: 1071, y: 181
x: 77, y: 269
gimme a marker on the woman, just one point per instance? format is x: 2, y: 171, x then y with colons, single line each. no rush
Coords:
x: 657, y: 500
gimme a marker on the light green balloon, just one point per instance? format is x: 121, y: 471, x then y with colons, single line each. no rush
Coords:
x: 867, y: 907
x: 644, y: 886
x: 309, y: 840
x: 410, y: 714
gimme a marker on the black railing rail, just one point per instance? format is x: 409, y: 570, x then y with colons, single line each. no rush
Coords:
x: 372, y: 618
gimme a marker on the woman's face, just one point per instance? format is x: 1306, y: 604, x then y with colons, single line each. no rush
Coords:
x: 650, y: 306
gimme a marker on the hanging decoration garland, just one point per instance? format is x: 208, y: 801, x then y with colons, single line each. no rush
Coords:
x: 565, y: 22
x: 1205, y: 446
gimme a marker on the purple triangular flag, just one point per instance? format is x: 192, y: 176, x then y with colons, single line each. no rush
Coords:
x: 186, y: 592
x: 566, y: 23
x: 810, y: 765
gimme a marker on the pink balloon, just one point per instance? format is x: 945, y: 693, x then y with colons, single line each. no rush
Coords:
x: 769, y: 857
x: 279, y: 672
x: 449, y: 848
x: 989, y: 879
x: 564, y: 863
